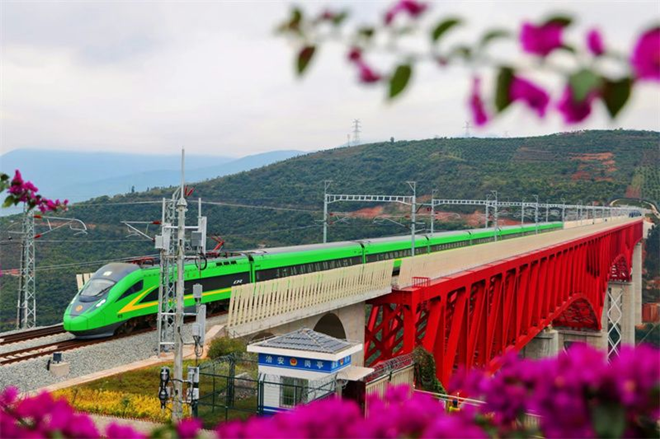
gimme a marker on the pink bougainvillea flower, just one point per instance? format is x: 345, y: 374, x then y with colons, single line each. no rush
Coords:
x: 116, y: 431
x: 541, y: 40
x: 479, y: 115
x: 411, y: 7
x: 355, y: 54
x: 595, y: 42
x: 327, y: 15
x: 18, y: 178
x: 367, y: 75
x: 574, y: 111
x: 188, y: 428
x: 646, y: 56
x: 534, y: 96
x: 8, y: 395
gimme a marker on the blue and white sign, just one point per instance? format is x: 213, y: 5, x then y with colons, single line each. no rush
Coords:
x: 299, y: 363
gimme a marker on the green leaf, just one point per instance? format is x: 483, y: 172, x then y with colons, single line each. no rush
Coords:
x: 568, y: 48
x: 561, y: 20
x: 582, y: 83
x: 616, y: 94
x: 400, y: 79
x: 339, y: 18
x: 366, y: 32
x: 461, y: 52
x: 502, y: 95
x: 493, y: 35
x: 443, y: 27
x: 304, y: 57
x: 609, y: 420
x: 10, y: 201
x: 296, y: 18
x: 293, y: 22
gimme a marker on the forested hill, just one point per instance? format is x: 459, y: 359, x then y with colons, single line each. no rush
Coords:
x: 589, y: 166
x: 281, y: 203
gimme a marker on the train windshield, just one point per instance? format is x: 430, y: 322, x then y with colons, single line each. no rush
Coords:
x: 96, y: 287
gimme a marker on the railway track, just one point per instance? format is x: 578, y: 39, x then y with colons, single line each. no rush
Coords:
x: 60, y: 346
x: 31, y: 334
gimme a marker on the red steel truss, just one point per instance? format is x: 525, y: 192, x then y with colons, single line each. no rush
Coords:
x: 471, y: 318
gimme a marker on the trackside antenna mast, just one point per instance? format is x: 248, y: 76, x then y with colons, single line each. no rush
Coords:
x: 171, y: 311
x: 181, y: 208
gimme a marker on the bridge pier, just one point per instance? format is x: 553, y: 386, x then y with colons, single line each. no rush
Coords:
x: 545, y: 344
x: 344, y: 323
x: 636, y: 277
x: 621, y: 312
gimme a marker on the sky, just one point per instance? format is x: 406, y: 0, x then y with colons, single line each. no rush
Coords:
x: 151, y: 77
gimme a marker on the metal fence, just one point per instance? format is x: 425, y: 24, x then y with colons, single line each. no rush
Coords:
x: 229, y: 388
x: 232, y: 388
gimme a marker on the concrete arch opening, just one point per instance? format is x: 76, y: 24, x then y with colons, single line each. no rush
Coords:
x: 331, y: 325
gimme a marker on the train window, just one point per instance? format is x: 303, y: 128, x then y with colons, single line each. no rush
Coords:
x: 151, y: 297
x: 137, y: 287
x: 96, y: 287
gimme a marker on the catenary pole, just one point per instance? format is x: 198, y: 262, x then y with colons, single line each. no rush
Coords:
x: 413, y: 186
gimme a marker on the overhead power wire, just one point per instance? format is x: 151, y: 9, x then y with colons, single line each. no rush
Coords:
x: 83, y: 264
x: 252, y: 206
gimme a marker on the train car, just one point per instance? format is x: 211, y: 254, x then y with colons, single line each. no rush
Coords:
x: 392, y: 247
x: 280, y: 262
x: 120, y: 297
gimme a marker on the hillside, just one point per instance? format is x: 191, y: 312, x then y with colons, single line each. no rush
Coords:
x: 594, y: 166
x: 79, y: 176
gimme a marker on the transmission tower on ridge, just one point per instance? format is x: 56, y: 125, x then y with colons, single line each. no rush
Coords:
x: 467, y: 128
x: 356, y: 131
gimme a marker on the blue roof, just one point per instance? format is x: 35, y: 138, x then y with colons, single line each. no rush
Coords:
x: 306, y: 340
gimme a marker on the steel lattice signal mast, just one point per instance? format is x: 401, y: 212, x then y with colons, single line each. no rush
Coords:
x: 167, y: 288
x: 26, y: 308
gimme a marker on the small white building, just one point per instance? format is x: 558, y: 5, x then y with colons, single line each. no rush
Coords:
x: 302, y: 366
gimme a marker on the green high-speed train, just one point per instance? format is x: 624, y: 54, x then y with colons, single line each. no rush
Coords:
x: 121, y: 296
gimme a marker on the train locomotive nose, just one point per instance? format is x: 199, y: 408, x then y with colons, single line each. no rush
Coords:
x: 76, y: 324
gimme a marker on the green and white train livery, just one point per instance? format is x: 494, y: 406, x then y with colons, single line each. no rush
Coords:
x: 121, y: 296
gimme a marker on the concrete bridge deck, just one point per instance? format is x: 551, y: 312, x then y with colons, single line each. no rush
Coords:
x: 262, y: 306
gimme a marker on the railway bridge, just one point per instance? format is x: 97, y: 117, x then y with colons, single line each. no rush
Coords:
x: 467, y: 306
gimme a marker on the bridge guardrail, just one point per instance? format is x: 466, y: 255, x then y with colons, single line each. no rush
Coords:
x: 445, y: 263
x: 308, y: 292
x: 82, y: 278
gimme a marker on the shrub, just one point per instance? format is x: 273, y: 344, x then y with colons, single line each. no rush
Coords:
x: 222, y: 346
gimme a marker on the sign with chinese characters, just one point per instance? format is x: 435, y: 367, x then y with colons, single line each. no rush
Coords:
x: 301, y: 363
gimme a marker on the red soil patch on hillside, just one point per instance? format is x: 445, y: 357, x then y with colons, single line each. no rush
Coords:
x: 368, y: 212
x: 633, y: 192
x: 580, y: 175
x: 594, y: 162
